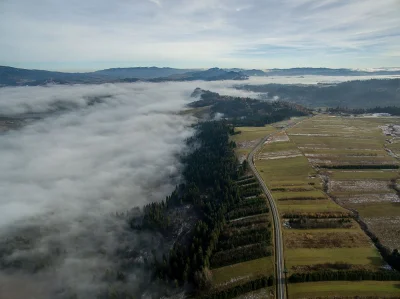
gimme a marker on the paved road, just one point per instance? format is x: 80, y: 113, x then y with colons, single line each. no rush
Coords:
x: 279, y: 261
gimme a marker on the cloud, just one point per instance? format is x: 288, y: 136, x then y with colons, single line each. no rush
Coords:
x: 157, y: 2
x: 199, y: 33
x: 95, y: 152
x: 66, y: 175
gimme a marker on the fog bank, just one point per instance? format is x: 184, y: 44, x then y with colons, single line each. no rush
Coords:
x: 95, y: 152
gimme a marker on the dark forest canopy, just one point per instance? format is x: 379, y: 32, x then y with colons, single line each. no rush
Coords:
x: 392, y: 110
x: 352, y: 94
x: 209, y: 174
x: 246, y: 111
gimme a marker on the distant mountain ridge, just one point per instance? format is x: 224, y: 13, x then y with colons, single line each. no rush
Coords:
x: 305, y: 71
x: 10, y: 76
x: 141, y: 72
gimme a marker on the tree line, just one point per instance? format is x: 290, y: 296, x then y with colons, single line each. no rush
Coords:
x: 353, y: 275
x: 392, y: 110
x: 248, y: 286
x: 209, y: 173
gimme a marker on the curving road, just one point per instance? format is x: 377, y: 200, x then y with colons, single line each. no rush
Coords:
x: 279, y: 261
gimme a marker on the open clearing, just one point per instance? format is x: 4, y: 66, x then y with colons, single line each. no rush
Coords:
x: 365, y: 256
x: 344, y: 288
x: 238, y: 273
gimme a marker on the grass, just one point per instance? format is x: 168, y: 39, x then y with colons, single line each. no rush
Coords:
x: 364, y: 175
x: 288, y: 169
x: 314, y: 194
x: 309, y: 206
x: 238, y: 273
x: 344, y: 288
x: 366, y: 256
x: 339, y: 142
x: 252, y: 133
x: 383, y: 209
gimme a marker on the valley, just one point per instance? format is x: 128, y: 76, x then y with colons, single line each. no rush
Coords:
x: 334, y: 183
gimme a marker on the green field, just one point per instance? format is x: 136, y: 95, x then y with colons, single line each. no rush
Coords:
x: 289, y: 169
x: 238, y: 273
x: 377, y: 209
x: 252, y: 133
x: 344, y: 288
x: 364, y: 175
x: 315, y: 194
x: 309, y: 206
x: 365, y: 256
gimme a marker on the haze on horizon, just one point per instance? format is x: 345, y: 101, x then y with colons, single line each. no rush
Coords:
x: 89, y: 35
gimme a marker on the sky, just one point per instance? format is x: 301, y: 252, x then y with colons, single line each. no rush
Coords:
x: 78, y: 35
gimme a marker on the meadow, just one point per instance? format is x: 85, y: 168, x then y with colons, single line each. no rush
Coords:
x: 293, y: 165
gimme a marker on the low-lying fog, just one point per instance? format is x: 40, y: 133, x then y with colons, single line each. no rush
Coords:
x: 89, y: 153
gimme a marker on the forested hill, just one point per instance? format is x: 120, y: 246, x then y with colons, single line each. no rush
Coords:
x: 352, y: 94
x: 10, y: 76
x: 246, y: 111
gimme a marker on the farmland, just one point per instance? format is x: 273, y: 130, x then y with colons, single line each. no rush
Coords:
x: 320, y: 172
x: 333, y: 289
x: 244, y: 254
x: 358, y: 141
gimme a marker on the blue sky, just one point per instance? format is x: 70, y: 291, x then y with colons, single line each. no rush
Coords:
x: 76, y: 35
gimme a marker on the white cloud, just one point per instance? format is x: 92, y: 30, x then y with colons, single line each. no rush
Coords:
x: 64, y: 177
x: 197, y: 33
x: 157, y: 2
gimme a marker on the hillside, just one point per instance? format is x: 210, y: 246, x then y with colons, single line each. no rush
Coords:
x: 246, y: 111
x: 10, y: 76
x: 352, y: 94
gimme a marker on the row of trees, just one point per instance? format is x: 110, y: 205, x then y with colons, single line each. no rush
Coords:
x: 353, y: 275
x: 254, y: 236
x: 248, y: 211
x: 249, y: 221
x: 361, y: 166
x: 307, y: 223
x: 240, y: 254
x: 393, y: 110
x: 252, y: 201
x: 245, y: 228
x: 210, y: 173
x: 317, y: 215
x: 253, y: 285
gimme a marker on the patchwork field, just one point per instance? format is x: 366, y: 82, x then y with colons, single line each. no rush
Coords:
x: 319, y: 172
x: 358, y: 142
x: 242, y: 262
x: 333, y: 289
